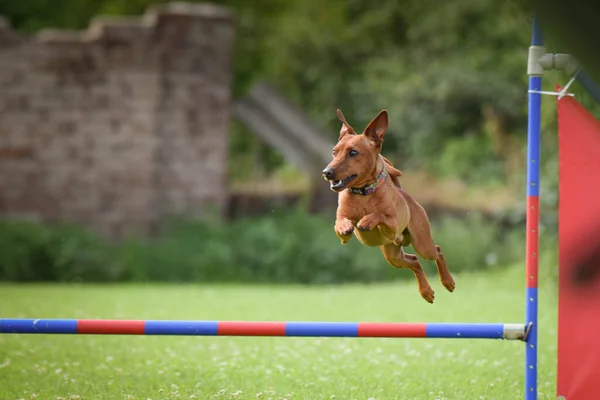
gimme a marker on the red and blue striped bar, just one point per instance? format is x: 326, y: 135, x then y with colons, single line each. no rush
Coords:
x: 257, y: 328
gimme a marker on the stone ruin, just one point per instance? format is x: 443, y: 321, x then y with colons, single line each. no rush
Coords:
x: 119, y: 126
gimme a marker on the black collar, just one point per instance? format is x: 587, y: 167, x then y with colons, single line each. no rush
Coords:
x: 372, y: 187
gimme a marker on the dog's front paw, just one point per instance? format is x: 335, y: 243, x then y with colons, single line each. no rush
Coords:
x: 368, y: 222
x: 347, y: 232
x: 344, y: 229
x: 364, y: 226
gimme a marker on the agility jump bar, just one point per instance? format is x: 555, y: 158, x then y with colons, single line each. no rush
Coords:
x: 256, y: 328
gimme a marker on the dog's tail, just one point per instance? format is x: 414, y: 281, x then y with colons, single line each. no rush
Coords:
x: 394, y: 173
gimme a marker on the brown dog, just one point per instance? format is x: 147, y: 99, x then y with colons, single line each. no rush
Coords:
x: 372, y: 200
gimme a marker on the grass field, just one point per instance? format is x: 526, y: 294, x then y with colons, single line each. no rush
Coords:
x: 122, y: 367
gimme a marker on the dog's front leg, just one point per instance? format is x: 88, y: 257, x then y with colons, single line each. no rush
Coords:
x: 386, y: 223
x: 344, y: 229
x: 370, y: 221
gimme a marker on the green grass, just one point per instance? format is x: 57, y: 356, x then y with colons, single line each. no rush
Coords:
x: 123, y: 367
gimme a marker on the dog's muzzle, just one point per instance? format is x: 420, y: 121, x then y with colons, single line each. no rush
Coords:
x: 328, y: 173
x: 336, y: 184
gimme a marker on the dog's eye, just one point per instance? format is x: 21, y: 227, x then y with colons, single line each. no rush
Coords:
x: 353, y: 153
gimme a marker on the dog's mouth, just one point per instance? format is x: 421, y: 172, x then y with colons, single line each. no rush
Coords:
x: 339, y: 185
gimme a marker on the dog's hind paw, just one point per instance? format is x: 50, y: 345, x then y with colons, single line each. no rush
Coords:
x: 448, y: 283
x: 428, y: 294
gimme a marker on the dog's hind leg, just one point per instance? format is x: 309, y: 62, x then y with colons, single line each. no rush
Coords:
x: 422, y: 240
x: 397, y: 258
x: 423, y: 243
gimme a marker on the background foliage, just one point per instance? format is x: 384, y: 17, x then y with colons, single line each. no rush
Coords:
x: 289, y: 246
x: 451, y: 74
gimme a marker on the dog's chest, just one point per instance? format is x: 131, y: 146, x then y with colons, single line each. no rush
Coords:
x: 359, y: 206
x: 391, y: 208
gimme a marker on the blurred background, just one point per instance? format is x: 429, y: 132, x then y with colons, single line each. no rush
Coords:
x: 183, y: 142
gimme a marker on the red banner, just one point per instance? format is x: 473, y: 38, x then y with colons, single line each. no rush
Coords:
x: 578, y: 375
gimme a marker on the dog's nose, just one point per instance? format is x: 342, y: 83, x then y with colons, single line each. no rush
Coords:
x: 328, y: 173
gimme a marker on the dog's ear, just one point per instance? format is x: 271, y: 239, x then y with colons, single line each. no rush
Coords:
x: 346, y: 128
x: 377, y: 127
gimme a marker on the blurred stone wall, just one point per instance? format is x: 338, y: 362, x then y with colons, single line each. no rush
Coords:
x: 118, y: 126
